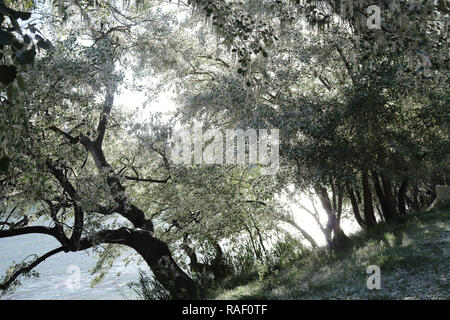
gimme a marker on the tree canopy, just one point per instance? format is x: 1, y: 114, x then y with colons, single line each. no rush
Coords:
x: 360, y: 98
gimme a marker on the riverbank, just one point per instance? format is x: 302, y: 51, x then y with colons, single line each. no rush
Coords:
x: 414, y: 259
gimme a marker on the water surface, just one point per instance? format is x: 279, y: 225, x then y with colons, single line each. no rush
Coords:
x: 55, y: 272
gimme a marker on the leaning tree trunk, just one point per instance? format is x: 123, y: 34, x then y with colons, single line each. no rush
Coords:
x: 302, y: 231
x: 156, y: 254
x: 333, y: 225
x: 355, y: 208
x: 154, y: 251
x: 166, y: 271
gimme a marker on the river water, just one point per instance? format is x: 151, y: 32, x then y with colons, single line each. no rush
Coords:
x: 57, y: 273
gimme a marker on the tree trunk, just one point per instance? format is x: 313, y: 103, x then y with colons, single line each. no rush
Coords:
x: 369, y: 215
x: 166, y: 271
x: 333, y: 233
x: 387, y: 214
x: 217, y: 266
x: 380, y: 213
x: 303, y: 232
x: 389, y: 198
x: 386, y: 198
x: 193, y: 261
x: 355, y: 207
x: 154, y: 251
x: 156, y: 254
x: 402, y: 197
x: 339, y: 236
x: 260, y: 238
x: 326, y: 204
x: 415, y: 202
x: 257, y: 252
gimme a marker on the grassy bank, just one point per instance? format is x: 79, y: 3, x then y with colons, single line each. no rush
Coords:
x: 414, y: 259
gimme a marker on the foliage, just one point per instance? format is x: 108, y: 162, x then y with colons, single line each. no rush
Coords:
x: 147, y: 288
x: 361, y: 112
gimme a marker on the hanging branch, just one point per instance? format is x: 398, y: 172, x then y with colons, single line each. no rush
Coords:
x: 5, y: 285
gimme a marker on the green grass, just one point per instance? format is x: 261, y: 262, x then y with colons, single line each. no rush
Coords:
x: 414, y: 258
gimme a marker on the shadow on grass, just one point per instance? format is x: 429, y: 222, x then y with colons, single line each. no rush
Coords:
x: 416, y: 245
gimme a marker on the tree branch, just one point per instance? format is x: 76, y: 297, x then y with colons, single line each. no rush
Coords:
x: 28, y: 230
x: 109, y: 101
x: 346, y: 63
x: 72, y: 140
x: 147, y: 179
x: 5, y: 285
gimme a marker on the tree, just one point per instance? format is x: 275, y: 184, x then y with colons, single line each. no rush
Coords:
x: 362, y: 124
x: 53, y: 169
x: 83, y: 168
x: 344, y: 117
